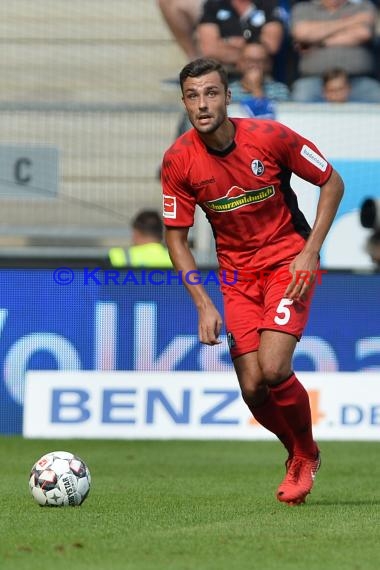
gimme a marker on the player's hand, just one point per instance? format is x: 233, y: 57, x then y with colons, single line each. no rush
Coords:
x: 303, y: 270
x: 209, y: 325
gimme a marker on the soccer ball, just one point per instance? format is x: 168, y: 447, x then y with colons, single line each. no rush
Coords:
x: 60, y: 479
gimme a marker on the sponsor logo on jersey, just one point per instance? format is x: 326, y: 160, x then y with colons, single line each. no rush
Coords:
x: 236, y: 198
x: 313, y: 157
x: 170, y: 207
x: 257, y: 167
x: 203, y: 183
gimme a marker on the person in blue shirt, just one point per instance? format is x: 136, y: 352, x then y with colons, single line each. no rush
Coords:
x: 256, y: 90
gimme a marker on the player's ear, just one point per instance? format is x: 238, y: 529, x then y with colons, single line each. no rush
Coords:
x: 228, y: 96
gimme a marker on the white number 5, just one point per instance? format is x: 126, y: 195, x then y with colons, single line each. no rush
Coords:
x: 282, y: 309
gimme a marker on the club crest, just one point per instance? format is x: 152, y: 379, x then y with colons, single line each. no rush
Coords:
x: 257, y: 167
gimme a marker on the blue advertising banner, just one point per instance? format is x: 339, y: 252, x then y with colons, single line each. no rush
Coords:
x: 96, y: 319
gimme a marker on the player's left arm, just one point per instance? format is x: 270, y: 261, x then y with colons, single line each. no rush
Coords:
x: 307, y: 260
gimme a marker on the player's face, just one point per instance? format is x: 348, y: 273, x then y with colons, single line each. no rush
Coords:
x: 206, y: 101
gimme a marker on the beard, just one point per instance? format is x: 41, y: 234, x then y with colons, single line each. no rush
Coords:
x: 211, y: 126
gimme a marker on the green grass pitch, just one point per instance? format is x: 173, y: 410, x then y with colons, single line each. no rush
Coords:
x: 186, y: 505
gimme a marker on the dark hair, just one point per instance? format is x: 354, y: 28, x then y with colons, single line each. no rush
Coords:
x: 202, y: 66
x: 148, y: 222
x: 334, y: 73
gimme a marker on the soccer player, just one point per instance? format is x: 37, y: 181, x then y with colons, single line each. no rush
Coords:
x: 238, y: 171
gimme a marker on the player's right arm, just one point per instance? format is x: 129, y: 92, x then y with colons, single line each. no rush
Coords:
x: 209, y: 319
x: 179, y: 202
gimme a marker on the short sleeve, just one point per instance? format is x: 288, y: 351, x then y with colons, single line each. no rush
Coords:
x: 300, y: 155
x: 178, y: 201
x: 208, y: 15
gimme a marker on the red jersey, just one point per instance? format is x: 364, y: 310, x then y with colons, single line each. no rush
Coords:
x: 245, y: 191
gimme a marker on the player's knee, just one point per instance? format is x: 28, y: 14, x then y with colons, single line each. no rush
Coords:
x: 254, y: 395
x: 274, y: 372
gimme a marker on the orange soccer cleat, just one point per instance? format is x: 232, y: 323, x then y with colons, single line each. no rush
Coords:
x: 299, y: 479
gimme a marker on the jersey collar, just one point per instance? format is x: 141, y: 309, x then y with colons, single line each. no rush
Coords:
x: 223, y: 152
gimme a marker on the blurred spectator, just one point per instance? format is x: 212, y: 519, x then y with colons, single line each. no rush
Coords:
x: 370, y: 219
x: 182, y: 17
x: 226, y: 25
x: 255, y: 66
x: 373, y: 248
x: 336, y: 86
x: 147, y: 249
x: 335, y: 33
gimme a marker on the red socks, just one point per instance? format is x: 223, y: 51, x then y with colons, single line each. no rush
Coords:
x: 270, y: 415
x: 293, y: 403
x: 286, y: 413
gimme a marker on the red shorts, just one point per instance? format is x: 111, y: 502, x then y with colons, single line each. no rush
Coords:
x: 258, y: 304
